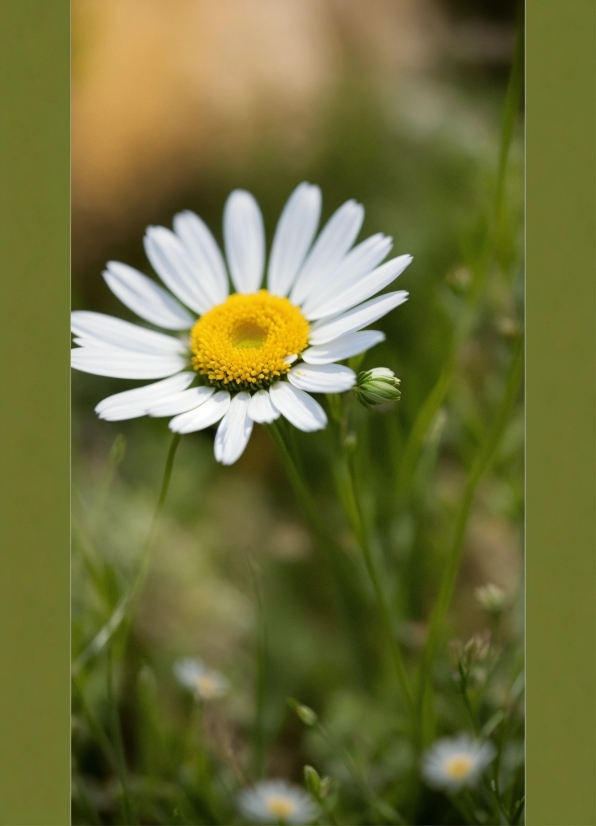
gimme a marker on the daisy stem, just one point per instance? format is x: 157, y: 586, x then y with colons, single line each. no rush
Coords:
x: 354, y: 515
x: 126, y: 602
x: 261, y: 677
x: 451, y: 566
x: 335, y: 555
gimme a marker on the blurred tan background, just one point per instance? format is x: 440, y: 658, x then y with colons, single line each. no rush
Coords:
x: 167, y: 94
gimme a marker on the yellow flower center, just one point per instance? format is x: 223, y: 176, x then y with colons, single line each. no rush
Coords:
x: 459, y: 766
x: 281, y: 807
x: 243, y: 343
x: 207, y: 687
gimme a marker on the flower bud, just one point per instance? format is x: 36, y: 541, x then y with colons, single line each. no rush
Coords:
x: 491, y: 598
x: 312, y: 781
x: 307, y: 715
x: 377, y: 386
x: 476, y: 649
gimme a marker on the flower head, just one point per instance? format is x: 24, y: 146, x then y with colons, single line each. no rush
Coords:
x: 206, y: 683
x: 454, y: 762
x: 276, y: 801
x: 491, y: 598
x: 258, y: 352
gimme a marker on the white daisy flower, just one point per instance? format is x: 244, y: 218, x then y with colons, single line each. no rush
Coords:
x: 206, y: 683
x: 276, y: 801
x: 454, y: 762
x: 253, y: 354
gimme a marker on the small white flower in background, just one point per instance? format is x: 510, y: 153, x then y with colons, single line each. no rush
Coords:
x: 454, y: 762
x: 491, y: 598
x: 259, y: 352
x: 276, y: 801
x: 206, y: 683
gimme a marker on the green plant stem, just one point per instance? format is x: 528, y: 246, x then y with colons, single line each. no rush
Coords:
x: 343, y: 755
x: 126, y: 602
x: 454, y: 555
x: 261, y: 681
x: 104, y: 744
x: 336, y: 557
x: 463, y: 687
x: 116, y: 729
x: 354, y: 515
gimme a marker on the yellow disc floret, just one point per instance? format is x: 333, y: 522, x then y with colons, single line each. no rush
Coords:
x: 459, y: 766
x: 281, y: 807
x: 243, y: 343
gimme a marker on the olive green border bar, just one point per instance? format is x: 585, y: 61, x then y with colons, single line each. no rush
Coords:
x: 34, y: 410
x: 560, y: 412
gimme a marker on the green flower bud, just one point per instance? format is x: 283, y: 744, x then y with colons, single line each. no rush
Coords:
x: 312, y: 781
x: 377, y: 386
x: 307, y: 715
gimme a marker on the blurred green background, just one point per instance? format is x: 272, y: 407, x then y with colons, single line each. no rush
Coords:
x: 396, y: 103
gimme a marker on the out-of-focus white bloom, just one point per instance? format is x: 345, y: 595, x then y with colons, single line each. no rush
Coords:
x: 276, y: 801
x: 454, y: 762
x: 207, y: 683
x: 491, y: 598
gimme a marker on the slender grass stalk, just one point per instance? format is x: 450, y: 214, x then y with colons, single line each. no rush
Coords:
x: 115, y: 457
x: 336, y: 557
x: 127, y: 600
x: 128, y: 809
x: 354, y: 515
x: 463, y: 687
x: 261, y: 681
x: 106, y: 747
x: 454, y: 555
x: 382, y: 808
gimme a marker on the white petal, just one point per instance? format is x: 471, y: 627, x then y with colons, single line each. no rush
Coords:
x: 261, y: 408
x: 343, y: 348
x: 201, y: 417
x: 322, y: 378
x: 298, y: 407
x: 133, y: 403
x: 172, y: 262
x: 244, y: 238
x: 336, y: 238
x: 365, y: 287
x: 125, y: 364
x: 294, y: 234
x: 356, y: 264
x: 146, y: 298
x: 206, y: 255
x: 180, y: 402
x: 234, y: 431
x: 98, y: 329
x: 355, y: 319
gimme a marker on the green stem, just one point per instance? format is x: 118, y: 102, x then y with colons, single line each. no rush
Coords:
x: 261, y: 681
x: 463, y: 685
x: 126, y: 602
x: 336, y: 557
x: 343, y: 755
x: 354, y: 514
x: 103, y: 742
x: 116, y: 728
x: 454, y: 555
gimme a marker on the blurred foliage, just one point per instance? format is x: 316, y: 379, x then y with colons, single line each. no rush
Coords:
x: 238, y: 577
